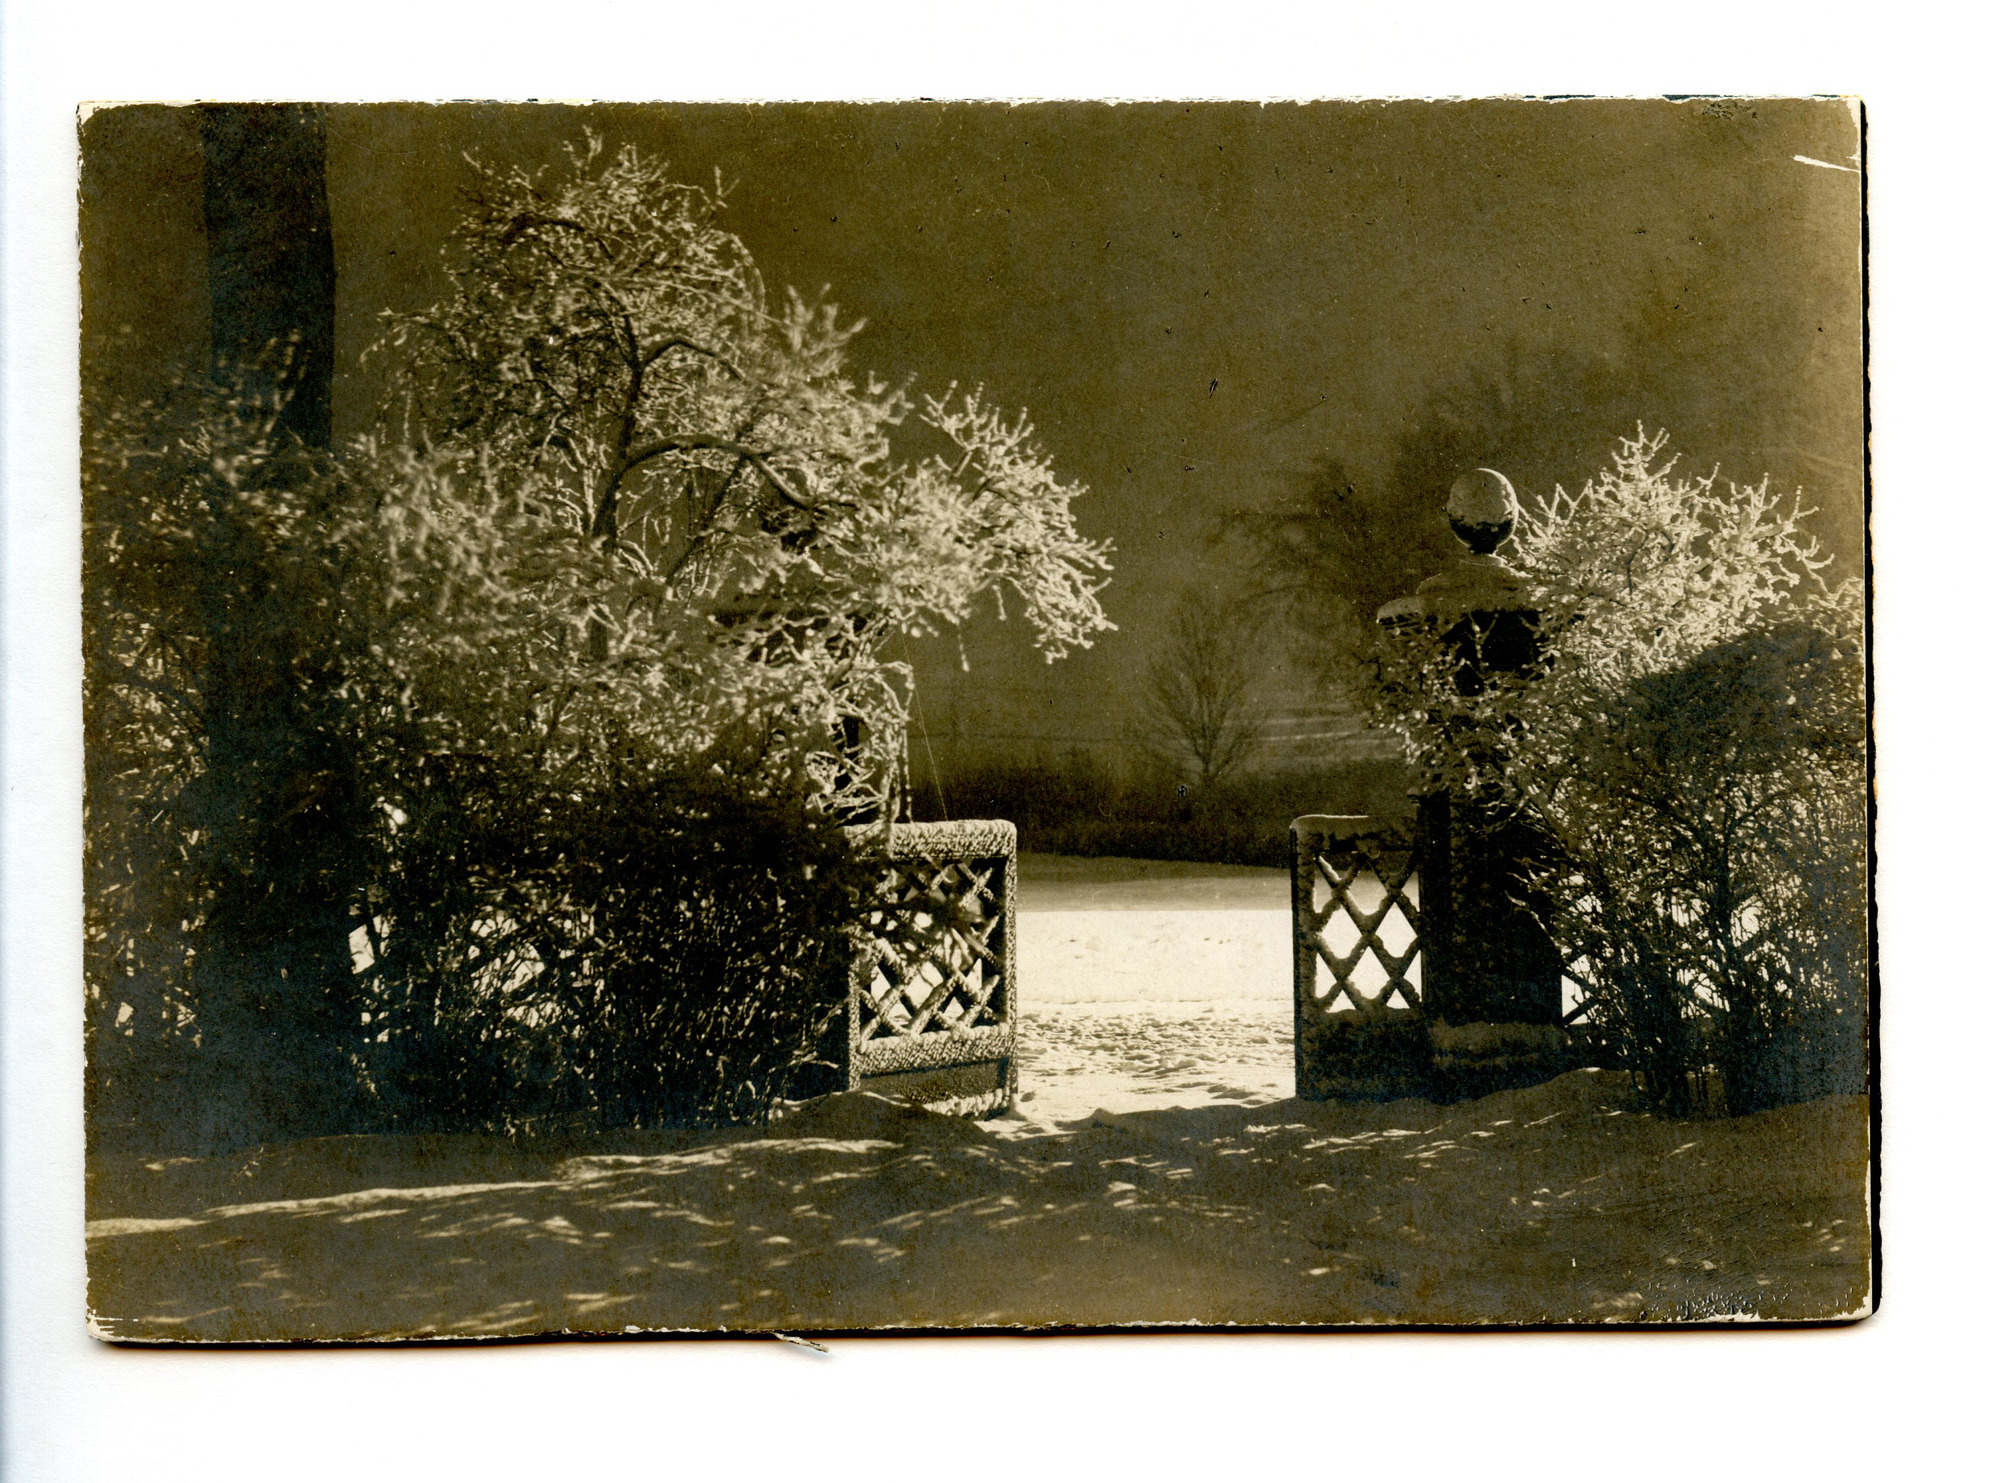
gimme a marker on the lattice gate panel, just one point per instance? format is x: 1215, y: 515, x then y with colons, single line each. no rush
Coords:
x: 931, y: 1006
x: 1357, y: 924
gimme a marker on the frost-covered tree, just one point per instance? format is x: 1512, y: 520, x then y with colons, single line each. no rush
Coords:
x: 611, y: 351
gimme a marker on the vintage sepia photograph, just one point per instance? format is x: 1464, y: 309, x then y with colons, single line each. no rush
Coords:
x: 820, y: 718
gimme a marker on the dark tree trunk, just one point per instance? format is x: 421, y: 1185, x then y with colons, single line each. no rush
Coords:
x: 270, y: 253
x: 278, y: 813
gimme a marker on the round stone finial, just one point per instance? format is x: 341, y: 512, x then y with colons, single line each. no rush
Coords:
x: 1482, y: 509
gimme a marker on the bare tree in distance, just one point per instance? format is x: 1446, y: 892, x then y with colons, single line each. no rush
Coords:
x: 1198, y: 714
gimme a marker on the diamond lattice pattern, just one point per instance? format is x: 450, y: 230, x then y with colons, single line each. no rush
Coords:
x: 1362, y: 928
x: 936, y: 949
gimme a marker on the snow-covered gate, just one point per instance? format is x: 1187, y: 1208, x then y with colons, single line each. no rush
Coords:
x: 1357, y: 956
x: 930, y: 1012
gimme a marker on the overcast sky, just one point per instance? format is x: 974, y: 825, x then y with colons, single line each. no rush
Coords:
x: 1195, y: 301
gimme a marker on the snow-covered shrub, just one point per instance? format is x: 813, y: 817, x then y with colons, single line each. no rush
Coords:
x: 669, y: 952
x: 228, y: 825
x: 1691, y: 747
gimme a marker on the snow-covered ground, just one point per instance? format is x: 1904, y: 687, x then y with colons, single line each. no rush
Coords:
x: 1146, y: 984
x: 1560, y: 1203
x: 1156, y: 1171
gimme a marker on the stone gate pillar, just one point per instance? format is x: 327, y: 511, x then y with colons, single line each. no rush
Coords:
x: 1488, y: 959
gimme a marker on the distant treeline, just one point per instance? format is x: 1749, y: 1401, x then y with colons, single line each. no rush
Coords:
x: 1078, y: 804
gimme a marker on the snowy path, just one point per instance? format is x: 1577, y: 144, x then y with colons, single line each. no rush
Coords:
x: 1149, y: 984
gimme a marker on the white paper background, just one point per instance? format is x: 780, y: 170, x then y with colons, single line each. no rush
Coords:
x: 1904, y: 1391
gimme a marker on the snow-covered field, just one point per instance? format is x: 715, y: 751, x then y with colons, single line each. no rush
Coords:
x: 1147, y: 984
x: 1157, y: 1171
